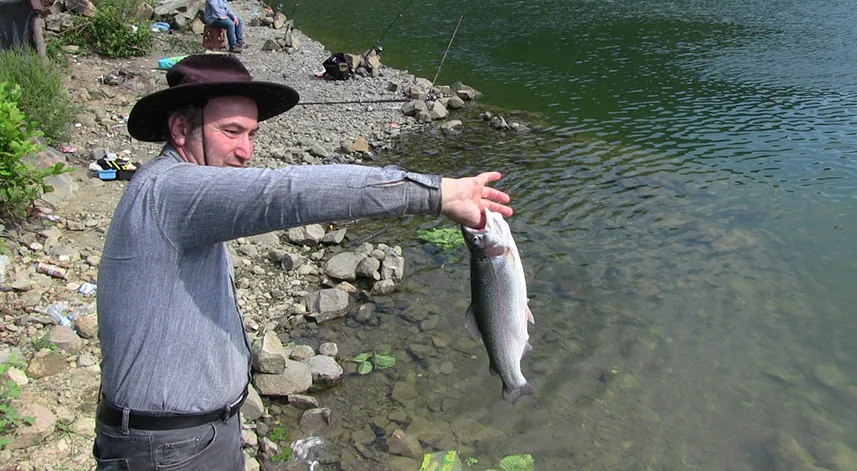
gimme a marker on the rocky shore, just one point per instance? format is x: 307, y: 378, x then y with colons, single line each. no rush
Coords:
x: 290, y: 283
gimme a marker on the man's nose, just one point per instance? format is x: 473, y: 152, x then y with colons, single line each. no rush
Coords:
x: 244, y: 150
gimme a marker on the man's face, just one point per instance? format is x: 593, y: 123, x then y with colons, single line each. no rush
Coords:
x: 229, y: 126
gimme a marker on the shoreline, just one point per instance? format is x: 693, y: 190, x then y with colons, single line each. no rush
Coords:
x: 279, y: 275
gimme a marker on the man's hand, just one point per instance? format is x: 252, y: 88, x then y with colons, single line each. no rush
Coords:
x: 462, y: 199
x: 235, y: 20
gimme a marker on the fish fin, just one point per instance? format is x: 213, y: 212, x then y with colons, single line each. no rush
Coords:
x: 512, y: 395
x: 527, y: 349
x: 530, y: 315
x: 470, y: 324
x: 492, y: 370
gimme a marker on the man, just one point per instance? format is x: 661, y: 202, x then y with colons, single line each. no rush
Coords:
x: 175, y: 357
x: 218, y: 14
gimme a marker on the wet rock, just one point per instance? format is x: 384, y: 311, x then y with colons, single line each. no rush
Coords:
x: 499, y: 123
x: 44, y: 365
x: 437, y: 111
x: 302, y: 401
x: 65, y: 339
x: 295, y: 379
x: 368, y: 268
x: 343, y: 266
x: 455, y: 103
x: 31, y: 435
x: 326, y: 372
x: 253, y: 408
x: 87, y: 326
x: 400, y: 443
x: 334, y: 237
x: 269, y: 356
x: 363, y: 436
x: 301, y: 353
x: 365, y: 312
x: 405, y: 394
x: 144, y: 14
x: 427, y: 431
x: 328, y: 348
x: 788, y: 455
x: 315, y: 420
x: 383, y: 287
x: 309, y: 235
x: 393, y: 266
x: 327, y: 304
x: 828, y: 374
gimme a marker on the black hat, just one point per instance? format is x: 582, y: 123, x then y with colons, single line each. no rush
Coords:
x: 198, y: 78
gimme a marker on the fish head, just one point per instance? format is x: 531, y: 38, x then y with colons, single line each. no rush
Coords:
x: 494, y: 239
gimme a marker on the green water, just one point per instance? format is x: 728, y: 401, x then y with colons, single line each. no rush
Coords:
x: 686, y: 225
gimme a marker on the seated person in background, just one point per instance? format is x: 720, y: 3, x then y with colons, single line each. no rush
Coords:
x: 219, y: 15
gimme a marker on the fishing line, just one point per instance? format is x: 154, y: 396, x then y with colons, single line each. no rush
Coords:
x: 447, y: 50
x: 565, y: 77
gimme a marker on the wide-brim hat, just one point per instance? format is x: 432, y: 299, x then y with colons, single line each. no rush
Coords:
x: 198, y: 78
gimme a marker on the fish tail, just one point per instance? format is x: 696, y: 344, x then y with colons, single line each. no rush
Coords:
x: 512, y: 395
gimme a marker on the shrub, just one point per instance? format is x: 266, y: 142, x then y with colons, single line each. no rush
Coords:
x: 43, y: 96
x: 20, y: 184
x: 112, y: 31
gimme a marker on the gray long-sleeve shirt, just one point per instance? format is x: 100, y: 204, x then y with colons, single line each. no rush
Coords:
x: 215, y: 9
x: 171, y: 334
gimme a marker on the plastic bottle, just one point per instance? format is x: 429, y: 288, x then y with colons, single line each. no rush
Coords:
x: 58, y: 314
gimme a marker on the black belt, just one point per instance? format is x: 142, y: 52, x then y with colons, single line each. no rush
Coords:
x: 111, y: 415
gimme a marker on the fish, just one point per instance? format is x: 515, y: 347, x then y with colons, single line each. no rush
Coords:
x: 498, y: 312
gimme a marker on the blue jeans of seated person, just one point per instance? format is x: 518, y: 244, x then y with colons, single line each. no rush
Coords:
x: 235, y: 34
x: 213, y: 446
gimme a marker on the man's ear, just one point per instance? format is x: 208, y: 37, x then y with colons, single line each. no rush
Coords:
x: 179, y: 129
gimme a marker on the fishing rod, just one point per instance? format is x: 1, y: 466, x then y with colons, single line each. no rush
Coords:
x: 355, y: 102
x: 447, y: 50
x: 378, y: 41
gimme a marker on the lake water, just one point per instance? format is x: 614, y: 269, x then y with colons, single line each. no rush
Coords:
x: 685, y: 220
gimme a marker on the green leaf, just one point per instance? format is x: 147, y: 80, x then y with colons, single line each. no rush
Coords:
x: 362, y: 357
x: 384, y: 361
x: 447, y: 238
x: 364, y: 367
x: 522, y: 462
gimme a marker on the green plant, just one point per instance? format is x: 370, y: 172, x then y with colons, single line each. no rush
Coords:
x: 445, y: 239
x: 522, y: 462
x: 20, y: 184
x: 43, y: 342
x: 470, y: 461
x: 368, y: 361
x: 279, y: 436
x: 112, y: 31
x: 10, y: 418
x: 43, y: 96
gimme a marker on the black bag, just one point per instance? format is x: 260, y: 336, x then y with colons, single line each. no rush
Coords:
x: 336, y: 67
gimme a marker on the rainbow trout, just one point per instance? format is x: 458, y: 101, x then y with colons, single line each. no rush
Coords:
x: 498, y: 311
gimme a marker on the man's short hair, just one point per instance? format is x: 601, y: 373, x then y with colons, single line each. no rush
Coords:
x: 192, y: 114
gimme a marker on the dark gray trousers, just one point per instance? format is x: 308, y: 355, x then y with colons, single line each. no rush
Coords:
x: 215, y: 446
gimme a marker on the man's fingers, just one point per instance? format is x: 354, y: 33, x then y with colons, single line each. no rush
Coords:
x: 488, y: 177
x: 504, y: 210
x: 494, y: 194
